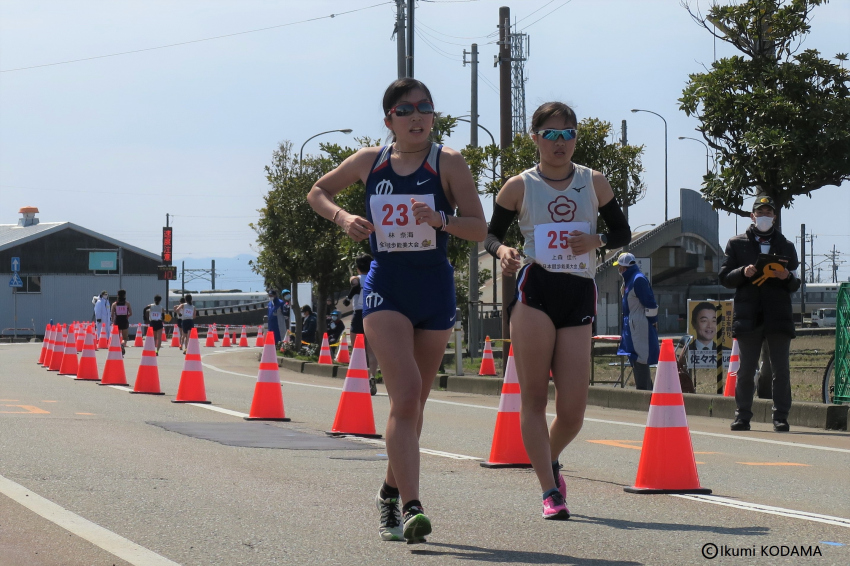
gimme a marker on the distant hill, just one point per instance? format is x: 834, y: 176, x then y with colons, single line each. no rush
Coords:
x: 231, y: 273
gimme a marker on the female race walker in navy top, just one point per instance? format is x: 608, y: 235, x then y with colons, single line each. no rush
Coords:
x: 558, y: 203
x: 412, y: 189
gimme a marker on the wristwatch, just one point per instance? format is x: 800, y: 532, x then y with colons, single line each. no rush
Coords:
x: 603, y: 238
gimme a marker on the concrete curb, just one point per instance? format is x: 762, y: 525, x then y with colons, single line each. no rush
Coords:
x: 814, y: 415
x: 321, y: 370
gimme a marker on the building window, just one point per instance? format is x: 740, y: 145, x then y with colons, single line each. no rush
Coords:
x: 32, y: 284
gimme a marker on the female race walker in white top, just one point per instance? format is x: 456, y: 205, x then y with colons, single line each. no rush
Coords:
x: 558, y: 203
x: 412, y: 189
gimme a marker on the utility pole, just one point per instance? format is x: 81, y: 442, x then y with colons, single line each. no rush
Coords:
x: 506, y: 138
x: 400, y: 41
x: 803, y: 272
x: 410, y: 6
x: 212, y: 275
x: 624, y: 142
x: 167, y: 217
x: 472, y: 325
x: 812, y: 256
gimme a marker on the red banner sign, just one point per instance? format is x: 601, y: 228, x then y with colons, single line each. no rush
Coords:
x: 166, y: 245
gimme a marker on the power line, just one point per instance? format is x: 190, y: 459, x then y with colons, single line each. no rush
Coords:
x: 534, y: 12
x: 331, y: 16
x: 546, y: 16
x: 437, y: 50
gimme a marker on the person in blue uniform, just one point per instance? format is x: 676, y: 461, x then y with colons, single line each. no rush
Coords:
x: 274, y: 306
x: 639, y: 337
x: 413, y: 187
x: 557, y: 203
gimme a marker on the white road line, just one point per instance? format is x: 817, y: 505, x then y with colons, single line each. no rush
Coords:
x: 83, y: 528
x: 383, y: 444
x: 219, y: 410
x: 828, y: 519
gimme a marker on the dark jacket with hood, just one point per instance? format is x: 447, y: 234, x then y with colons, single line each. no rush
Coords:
x: 768, y: 305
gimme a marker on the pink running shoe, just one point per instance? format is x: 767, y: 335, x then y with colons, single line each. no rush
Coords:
x: 562, y: 486
x: 555, y: 508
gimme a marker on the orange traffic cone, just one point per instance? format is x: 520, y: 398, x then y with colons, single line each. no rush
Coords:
x: 342, y: 356
x: 69, y: 357
x: 488, y: 366
x: 87, y: 369
x: 226, y: 342
x: 103, y: 340
x: 147, y: 378
x: 175, y: 338
x: 139, y: 341
x: 210, y: 336
x: 243, y: 340
x: 49, y: 339
x: 732, y: 374
x: 667, y: 462
x: 80, y: 338
x: 260, y: 340
x: 58, y: 350
x: 215, y: 334
x: 233, y: 338
x: 267, y: 404
x: 508, y: 450
x: 191, y: 388
x: 44, y: 344
x: 354, y: 414
x: 325, y: 353
x: 113, y: 370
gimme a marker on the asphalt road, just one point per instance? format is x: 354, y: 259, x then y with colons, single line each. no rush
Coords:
x: 86, y: 478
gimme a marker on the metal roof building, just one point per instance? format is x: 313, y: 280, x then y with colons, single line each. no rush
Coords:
x: 57, y: 275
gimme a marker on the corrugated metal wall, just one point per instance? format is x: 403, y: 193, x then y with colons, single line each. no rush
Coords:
x: 66, y: 298
x: 698, y: 217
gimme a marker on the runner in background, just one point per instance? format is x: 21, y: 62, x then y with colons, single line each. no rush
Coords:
x: 156, y: 313
x: 187, y: 312
x: 412, y: 189
x: 121, y: 312
x: 178, y: 317
x: 551, y: 317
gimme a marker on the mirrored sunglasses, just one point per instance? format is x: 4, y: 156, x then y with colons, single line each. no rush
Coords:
x: 568, y: 134
x: 407, y: 108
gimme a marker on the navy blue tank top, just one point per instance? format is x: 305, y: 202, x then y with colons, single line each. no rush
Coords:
x: 383, y: 180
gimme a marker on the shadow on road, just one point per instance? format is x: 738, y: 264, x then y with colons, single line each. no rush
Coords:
x: 503, y: 556
x: 644, y: 525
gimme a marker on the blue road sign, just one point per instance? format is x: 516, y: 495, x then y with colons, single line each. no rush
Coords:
x: 16, y: 264
x: 15, y: 281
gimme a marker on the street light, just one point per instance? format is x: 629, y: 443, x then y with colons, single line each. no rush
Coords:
x: 641, y: 226
x: 665, y: 156
x: 301, y: 153
x: 706, y: 149
x: 492, y: 139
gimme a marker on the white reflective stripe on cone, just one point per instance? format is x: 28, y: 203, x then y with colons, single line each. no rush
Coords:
x: 355, y: 385
x: 193, y: 365
x: 148, y: 361
x: 667, y: 378
x: 666, y: 416
x: 510, y: 403
x: 268, y: 376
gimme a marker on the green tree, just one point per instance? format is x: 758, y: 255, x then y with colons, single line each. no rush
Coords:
x: 777, y: 118
x: 294, y: 243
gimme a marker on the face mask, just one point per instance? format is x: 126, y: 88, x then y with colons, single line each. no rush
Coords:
x: 334, y: 318
x: 763, y: 223
x: 286, y: 297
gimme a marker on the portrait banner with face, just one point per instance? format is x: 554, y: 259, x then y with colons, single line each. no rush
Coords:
x: 710, y: 326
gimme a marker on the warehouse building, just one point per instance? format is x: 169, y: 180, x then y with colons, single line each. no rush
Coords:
x: 62, y: 266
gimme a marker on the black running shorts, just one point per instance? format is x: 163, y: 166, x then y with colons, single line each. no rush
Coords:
x: 357, y: 322
x: 568, y: 300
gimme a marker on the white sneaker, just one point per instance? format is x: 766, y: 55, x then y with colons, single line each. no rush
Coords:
x: 391, y: 528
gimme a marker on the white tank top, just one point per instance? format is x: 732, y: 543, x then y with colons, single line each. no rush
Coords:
x: 553, y: 212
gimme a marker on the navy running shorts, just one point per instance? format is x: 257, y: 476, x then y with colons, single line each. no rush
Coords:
x: 156, y: 324
x: 426, y: 296
x: 357, y: 322
x: 187, y: 324
x: 568, y: 300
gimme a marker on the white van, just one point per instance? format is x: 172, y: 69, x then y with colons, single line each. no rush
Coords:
x: 824, y: 318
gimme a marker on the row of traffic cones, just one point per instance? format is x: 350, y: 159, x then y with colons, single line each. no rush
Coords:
x: 667, y: 463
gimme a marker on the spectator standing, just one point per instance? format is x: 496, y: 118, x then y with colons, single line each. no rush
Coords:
x: 639, y: 337
x: 308, y: 325
x: 274, y: 306
x: 284, y: 313
x: 102, y: 311
x: 762, y: 310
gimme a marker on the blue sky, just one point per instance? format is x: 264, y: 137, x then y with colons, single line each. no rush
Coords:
x: 115, y: 143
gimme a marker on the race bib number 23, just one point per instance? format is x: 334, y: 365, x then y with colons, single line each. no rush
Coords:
x: 552, y: 249
x: 396, y: 230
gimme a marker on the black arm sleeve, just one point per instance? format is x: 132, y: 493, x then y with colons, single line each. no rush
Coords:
x: 498, y: 228
x: 619, y: 232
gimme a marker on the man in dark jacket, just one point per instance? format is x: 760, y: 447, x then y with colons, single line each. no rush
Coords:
x: 639, y: 337
x: 762, y: 310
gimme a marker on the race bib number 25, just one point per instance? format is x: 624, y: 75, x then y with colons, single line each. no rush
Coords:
x: 396, y: 230
x: 552, y: 248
